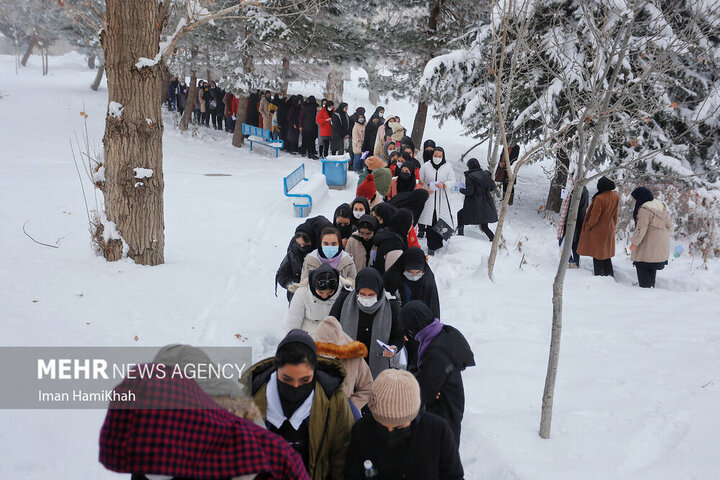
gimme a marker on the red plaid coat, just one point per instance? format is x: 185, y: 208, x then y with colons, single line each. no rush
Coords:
x: 186, y: 434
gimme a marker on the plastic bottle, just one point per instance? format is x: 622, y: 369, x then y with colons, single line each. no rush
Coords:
x: 370, y: 471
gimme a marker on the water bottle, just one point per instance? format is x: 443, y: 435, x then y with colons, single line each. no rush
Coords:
x: 370, y: 471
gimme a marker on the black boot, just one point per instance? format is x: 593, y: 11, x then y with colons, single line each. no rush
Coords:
x: 460, y: 230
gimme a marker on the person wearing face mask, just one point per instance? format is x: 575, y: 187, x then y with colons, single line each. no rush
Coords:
x: 360, y: 207
x: 438, y: 177
x: 361, y: 241
x: 479, y: 204
x: 405, y: 180
x: 358, y: 135
x: 340, y: 138
x: 442, y: 355
x: 331, y: 252
x: 382, y: 135
x: 324, y: 121
x: 373, y: 124
x: 301, y: 399
x: 428, y: 149
x: 313, y: 298
x: 400, y: 440
x: 390, y: 241
x: 343, y: 220
x: 368, y: 314
x: 291, y: 267
x: 412, y: 278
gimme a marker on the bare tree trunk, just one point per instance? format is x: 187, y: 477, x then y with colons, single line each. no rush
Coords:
x: 373, y: 94
x: 91, y: 62
x: 499, y: 229
x: 44, y: 55
x: 562, y: 163
x: 190, y: 102
x: 238, y: 140
x: 98, y: 77
x: 133, y: 137
x: 28, y: 52
x: 335, y: 86
x: 285, y: 73
x: 419, y: 124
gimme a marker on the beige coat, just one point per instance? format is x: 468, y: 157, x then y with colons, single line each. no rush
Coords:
x: 306, y: 310
x: 358, y: 135
x: 264, y: 110
x: 652, y: 233
x: 312, y: 262
x: 355, y: 248
x: 200, y: 92
x: 333, y: 342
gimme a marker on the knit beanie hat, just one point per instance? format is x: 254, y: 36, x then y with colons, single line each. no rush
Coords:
x: 374, y: 162
x: 367, y: 188
x: 394, y: 398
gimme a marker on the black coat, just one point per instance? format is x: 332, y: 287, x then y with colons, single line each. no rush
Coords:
x: 340, y: 129
x: 291, y: 266
x: 370, y: 133
x: 282, y: 112
x: 386, y: 241
x: 479, y: 204
x: 293, y: 121
x: 253, y: 116
x: 439, y: 372
x: 424, y: 289
x: 430, y: 453
x: 582, y: 210
x: 365, y: 320
x: 218, y: 94
x: 309, y: 122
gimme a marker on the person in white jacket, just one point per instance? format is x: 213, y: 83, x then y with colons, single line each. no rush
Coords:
x: 314, y: 297
x: 438, y: 178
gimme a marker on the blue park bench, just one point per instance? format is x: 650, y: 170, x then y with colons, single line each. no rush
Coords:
x: 261, y: 136
x: 302, y: 209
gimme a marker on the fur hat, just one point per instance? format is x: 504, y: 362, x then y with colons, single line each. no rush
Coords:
x: 367, y: 187
x: 395, y: 398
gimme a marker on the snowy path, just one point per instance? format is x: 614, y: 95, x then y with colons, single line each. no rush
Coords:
x: 639, y: 379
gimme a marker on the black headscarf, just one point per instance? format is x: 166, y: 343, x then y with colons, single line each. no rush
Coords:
x: 415, y: 316
x: 400, y: 223
x: 385, y: 211
x: 473, y: 164
x: 370, y: 278
x: 443, y: 162
x: 424, y: 289
x: 376, y: 114
x: 344, y: 211
x: 371, y: 223
x: 604, y: 185
x: 414, y: 200
x: 641, y: 195
x: 406, y: 183
x: 323, y: 272
x: 407, y: 142
x: 365, y: 204
x: 427, y: 154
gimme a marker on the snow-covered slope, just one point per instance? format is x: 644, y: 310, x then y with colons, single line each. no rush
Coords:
x: 639, y: 378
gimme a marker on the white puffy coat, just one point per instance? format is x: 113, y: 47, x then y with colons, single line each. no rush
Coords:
x: 306, y: 310
x: 438, y: 200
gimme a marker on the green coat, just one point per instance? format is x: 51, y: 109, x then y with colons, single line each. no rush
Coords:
x: 330, y: 416
x: 383, y: 179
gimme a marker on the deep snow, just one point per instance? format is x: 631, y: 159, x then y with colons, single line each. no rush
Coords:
x: 639, y: 377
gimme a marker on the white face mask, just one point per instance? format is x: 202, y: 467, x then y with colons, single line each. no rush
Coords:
x: 358, y: 213
x: 367, y: 302
x: 436, y: 160
x: 413, y: 277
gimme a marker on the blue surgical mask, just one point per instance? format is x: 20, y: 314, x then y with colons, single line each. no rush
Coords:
x: 330, y: 250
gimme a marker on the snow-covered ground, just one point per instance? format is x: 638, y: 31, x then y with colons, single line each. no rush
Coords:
x: 639, y: 379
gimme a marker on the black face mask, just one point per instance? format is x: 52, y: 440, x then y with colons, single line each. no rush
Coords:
x: 292, y: 397
x: 405, y: 175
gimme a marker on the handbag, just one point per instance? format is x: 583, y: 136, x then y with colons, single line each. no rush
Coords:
x: 441, y: 227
